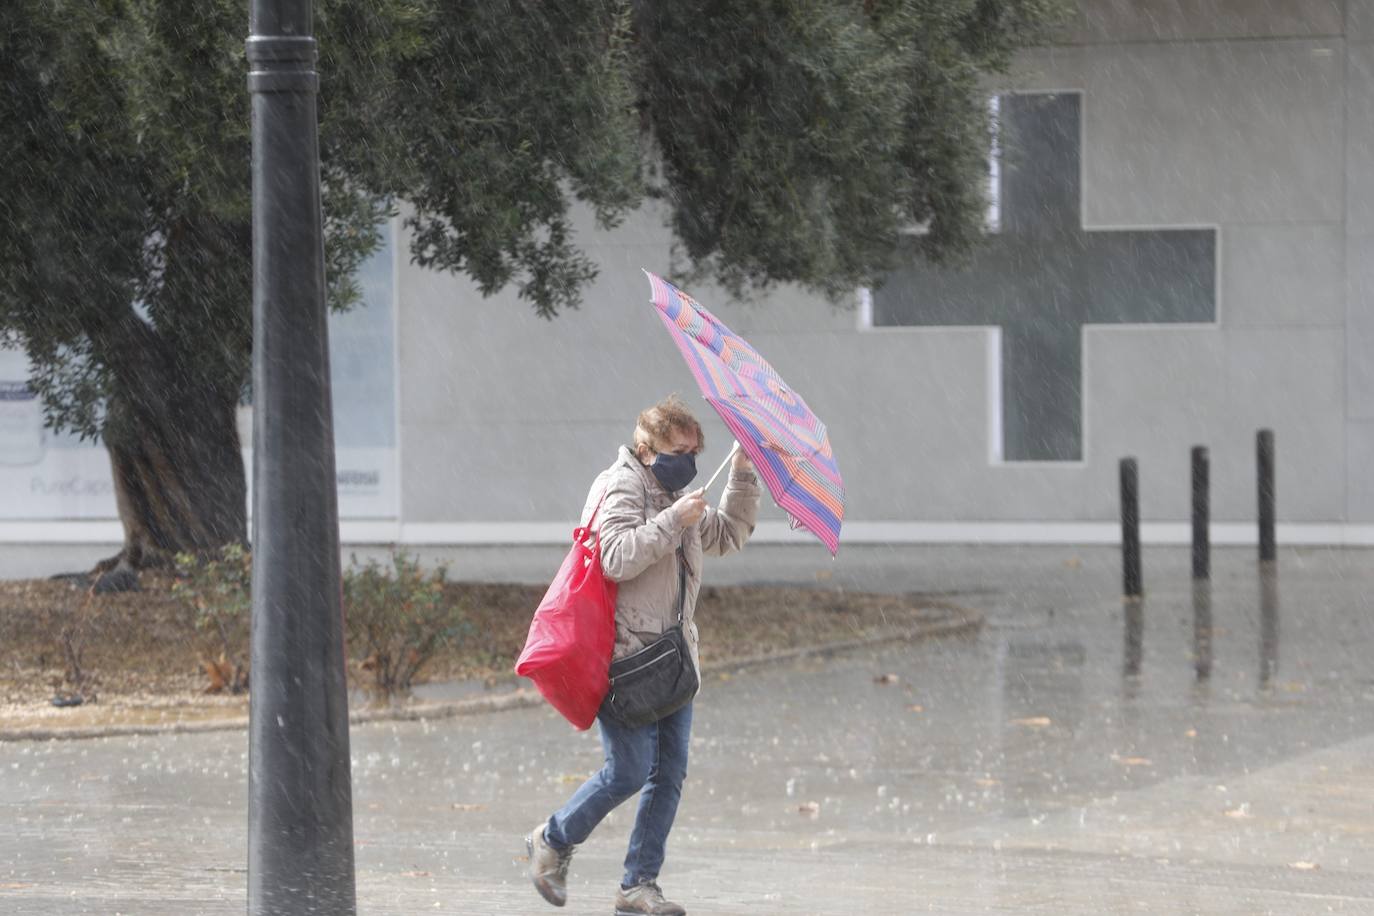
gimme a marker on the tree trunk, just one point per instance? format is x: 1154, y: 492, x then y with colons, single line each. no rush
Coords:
x: 178, y: 470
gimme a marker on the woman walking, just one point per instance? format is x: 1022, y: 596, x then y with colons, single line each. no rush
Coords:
x: 653, y: 538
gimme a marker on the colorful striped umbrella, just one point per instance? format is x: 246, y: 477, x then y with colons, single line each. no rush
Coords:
x: 786, y: 441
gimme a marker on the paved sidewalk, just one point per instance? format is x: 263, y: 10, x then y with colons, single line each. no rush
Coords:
x: 1066, y: 760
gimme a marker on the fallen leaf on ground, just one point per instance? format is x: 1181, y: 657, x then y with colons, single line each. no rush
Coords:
x: 1032, y: 722
x: 1190, y: 733
x: 1304, y: 866
x: 415, y: 874
x: 1241, y: 812
x: 459, y: 806
x: 915, y: 707
x: 987, y: 783
x: 1134, y: 761
x: 886, y: 679
x: 810, y: 809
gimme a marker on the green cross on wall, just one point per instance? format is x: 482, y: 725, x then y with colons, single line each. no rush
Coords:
x: 1040, y: 277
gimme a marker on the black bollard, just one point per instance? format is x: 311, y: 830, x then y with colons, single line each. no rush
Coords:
x: 1135, y: 638
x: 1202, y: 550
x: 1202, y: 628
x: 1130, y: 528
x: 1264, y: 459
x: 1269, y: 623
x: 300, y: 816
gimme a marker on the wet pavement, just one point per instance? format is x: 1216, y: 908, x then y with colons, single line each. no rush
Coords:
x: 1197, y: 753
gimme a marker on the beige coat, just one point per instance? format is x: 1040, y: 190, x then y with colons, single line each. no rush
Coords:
x: 639, y: 539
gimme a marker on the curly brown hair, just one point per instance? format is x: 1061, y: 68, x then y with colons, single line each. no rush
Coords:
x: 655, y: 425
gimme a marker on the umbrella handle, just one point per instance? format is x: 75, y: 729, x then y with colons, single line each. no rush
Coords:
x: 721, y: 468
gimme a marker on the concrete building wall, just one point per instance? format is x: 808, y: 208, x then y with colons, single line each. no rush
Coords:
x: 1255, y: 119
x: 1358, y: 232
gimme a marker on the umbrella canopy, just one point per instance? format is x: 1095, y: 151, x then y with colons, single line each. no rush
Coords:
x: 786, y: 441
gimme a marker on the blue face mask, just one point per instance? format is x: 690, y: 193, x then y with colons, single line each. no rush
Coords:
x: 674, y: 472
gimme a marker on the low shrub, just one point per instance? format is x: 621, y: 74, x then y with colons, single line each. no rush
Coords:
x: 76, y: 618
x: 398, y: 618
x: 216, y: 591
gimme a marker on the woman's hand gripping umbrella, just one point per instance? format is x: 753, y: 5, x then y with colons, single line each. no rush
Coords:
x: 787, y: 443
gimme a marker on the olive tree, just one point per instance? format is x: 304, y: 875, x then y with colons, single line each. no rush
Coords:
x: 787, y: 141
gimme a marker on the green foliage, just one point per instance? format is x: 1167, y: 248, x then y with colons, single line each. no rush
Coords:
x: 125, y: 220
x: 76, y: 621
x: 398, y: 618
x: 493, y: 127
x: 216, y: 592
x: 790, y: 140
x: 799, y: 138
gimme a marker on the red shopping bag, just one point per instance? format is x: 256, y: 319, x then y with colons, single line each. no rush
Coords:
x: 568, y: 651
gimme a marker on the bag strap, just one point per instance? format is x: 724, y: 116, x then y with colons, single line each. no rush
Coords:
x: 592, y: 521
x: 681, y: 582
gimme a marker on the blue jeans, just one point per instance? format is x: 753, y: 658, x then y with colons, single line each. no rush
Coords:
x: 652, y: 758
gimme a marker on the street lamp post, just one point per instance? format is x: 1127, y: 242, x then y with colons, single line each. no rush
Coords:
x: 300, y: 817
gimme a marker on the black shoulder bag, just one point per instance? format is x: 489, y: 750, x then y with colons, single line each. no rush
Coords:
x: 659, y: 679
